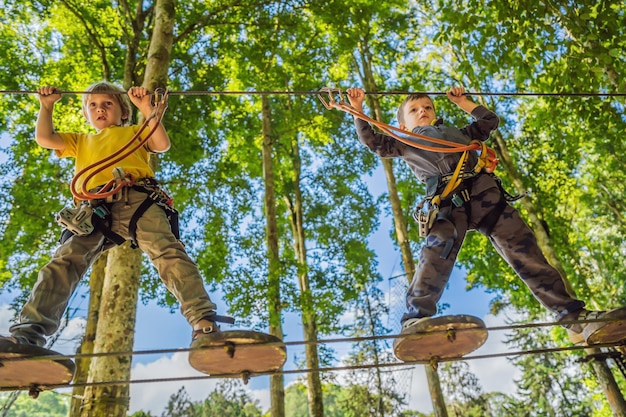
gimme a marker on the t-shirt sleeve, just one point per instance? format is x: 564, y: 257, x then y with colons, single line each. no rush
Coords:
x: 71, y: 145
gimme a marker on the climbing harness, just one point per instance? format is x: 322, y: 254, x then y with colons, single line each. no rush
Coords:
x: 455, y: 187
x: 156, y: 196
x: 93, y: 213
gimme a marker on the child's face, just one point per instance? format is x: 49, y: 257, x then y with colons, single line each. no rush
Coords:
x: 102, y: 111
x: 418, y: 112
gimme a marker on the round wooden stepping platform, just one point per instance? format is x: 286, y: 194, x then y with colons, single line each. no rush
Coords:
x: 237, y: 353
x: 26, y: 367
x: 441, y: 337
x: 610, y: 331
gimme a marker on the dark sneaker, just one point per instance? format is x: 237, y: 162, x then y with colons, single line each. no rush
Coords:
x: 18, y: 340
x: 575, y: 329
x: 592, y: 327
x: 410, y: 326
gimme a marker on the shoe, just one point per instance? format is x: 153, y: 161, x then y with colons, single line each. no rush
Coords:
x: 410, y: 326
x: 203, y: 331
x: 583, y: 323
x: 17, y: 340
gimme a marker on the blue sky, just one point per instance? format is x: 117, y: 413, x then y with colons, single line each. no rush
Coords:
x: 157, y: 328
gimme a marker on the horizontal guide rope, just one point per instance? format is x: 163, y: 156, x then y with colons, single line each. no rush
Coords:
x: 319, y: 342
x: 332, y: 369
x: 380, y: 93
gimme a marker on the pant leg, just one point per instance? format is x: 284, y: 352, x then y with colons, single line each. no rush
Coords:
x: 176, y: 269
x: 433, y: 273
x: 517, y: 245
x: 56, y: 282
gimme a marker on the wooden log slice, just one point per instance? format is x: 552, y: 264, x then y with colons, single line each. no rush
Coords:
x: 441, y: 337
x: 236, y: 352
x: 26, y: 367
x: 613, y: 330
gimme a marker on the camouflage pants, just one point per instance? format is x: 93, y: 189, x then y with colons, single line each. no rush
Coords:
x: 513, y: 240
x: 57, y: 280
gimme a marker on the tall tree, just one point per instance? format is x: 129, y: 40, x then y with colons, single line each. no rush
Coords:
x: 544, y: 46
x: 272, y: 239
x: 371, y: 69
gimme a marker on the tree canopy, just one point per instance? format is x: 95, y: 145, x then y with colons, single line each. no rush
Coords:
x: 553, y: 72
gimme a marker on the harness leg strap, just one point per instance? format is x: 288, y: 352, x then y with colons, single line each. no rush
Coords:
x: 450, y: 241
x: 171, y: 213
x: 488, y: 222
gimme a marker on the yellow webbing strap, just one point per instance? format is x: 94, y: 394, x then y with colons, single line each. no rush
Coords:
x: 456, y: 178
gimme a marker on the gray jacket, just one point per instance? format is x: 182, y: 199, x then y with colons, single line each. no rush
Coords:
x: 426, y: 164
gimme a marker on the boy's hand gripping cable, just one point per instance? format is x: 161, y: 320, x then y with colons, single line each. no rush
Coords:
x: 120, y: 179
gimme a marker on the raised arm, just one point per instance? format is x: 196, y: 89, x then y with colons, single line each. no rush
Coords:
x: 45, y: 135
x: 456, y: 95
x: 485, y: 121
x: 379, y: 143
x: 160, y: 140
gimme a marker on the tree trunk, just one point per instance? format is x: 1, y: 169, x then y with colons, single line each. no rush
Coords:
x: 115, y: 334
x: 277, y: 389
x: 380, y: 403
x: 309, y: 319
x: 603, y: 373
x: 609, y: 385
x: 540, y: 232
x: 96, y: 280
x: 121, y: 286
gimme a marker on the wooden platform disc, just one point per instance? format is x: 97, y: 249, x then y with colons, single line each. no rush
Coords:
x: 607, y: 332
x: 237, y: 352
x: 17, y: 372
x: 441, y: 337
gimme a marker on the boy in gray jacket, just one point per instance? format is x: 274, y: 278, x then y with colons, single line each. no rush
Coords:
x: 478, y: 203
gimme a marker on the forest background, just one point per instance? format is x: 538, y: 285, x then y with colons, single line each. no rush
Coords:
x: 286, y: 213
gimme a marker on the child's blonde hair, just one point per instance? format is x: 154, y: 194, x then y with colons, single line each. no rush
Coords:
x: 105, y: 87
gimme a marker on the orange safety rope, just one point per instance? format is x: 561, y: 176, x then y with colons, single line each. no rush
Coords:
x: 115, y: 185
x: 487, y: 160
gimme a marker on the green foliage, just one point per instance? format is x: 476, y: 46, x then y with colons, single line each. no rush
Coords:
x: 339, y: 401
x: 551, y: 384
x: 567, y: 150
x: 48, y: 404
x: 227, y: 400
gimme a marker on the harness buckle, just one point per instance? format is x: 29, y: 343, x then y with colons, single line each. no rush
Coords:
x: 425, y: 218
x: 77, y: 220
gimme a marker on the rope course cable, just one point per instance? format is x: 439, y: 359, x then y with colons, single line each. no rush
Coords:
x: 335, y: 340
x: 332, y: 341
x: 328, y: 369
x: 378, y: 93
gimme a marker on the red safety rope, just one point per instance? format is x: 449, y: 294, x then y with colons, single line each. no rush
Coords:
x: 488, y: 155
x: 116, y: 184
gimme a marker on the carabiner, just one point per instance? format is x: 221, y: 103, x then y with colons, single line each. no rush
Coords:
x: 330, y: 104
x: 159, y: 99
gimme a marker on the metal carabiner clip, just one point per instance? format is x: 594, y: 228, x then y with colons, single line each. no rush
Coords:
x: 159, y: 99
x: 330, y: 104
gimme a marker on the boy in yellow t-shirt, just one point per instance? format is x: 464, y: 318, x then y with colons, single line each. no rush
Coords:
x: 107, y: 109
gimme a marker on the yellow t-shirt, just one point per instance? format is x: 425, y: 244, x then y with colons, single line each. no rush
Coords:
x: 89, y: 148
